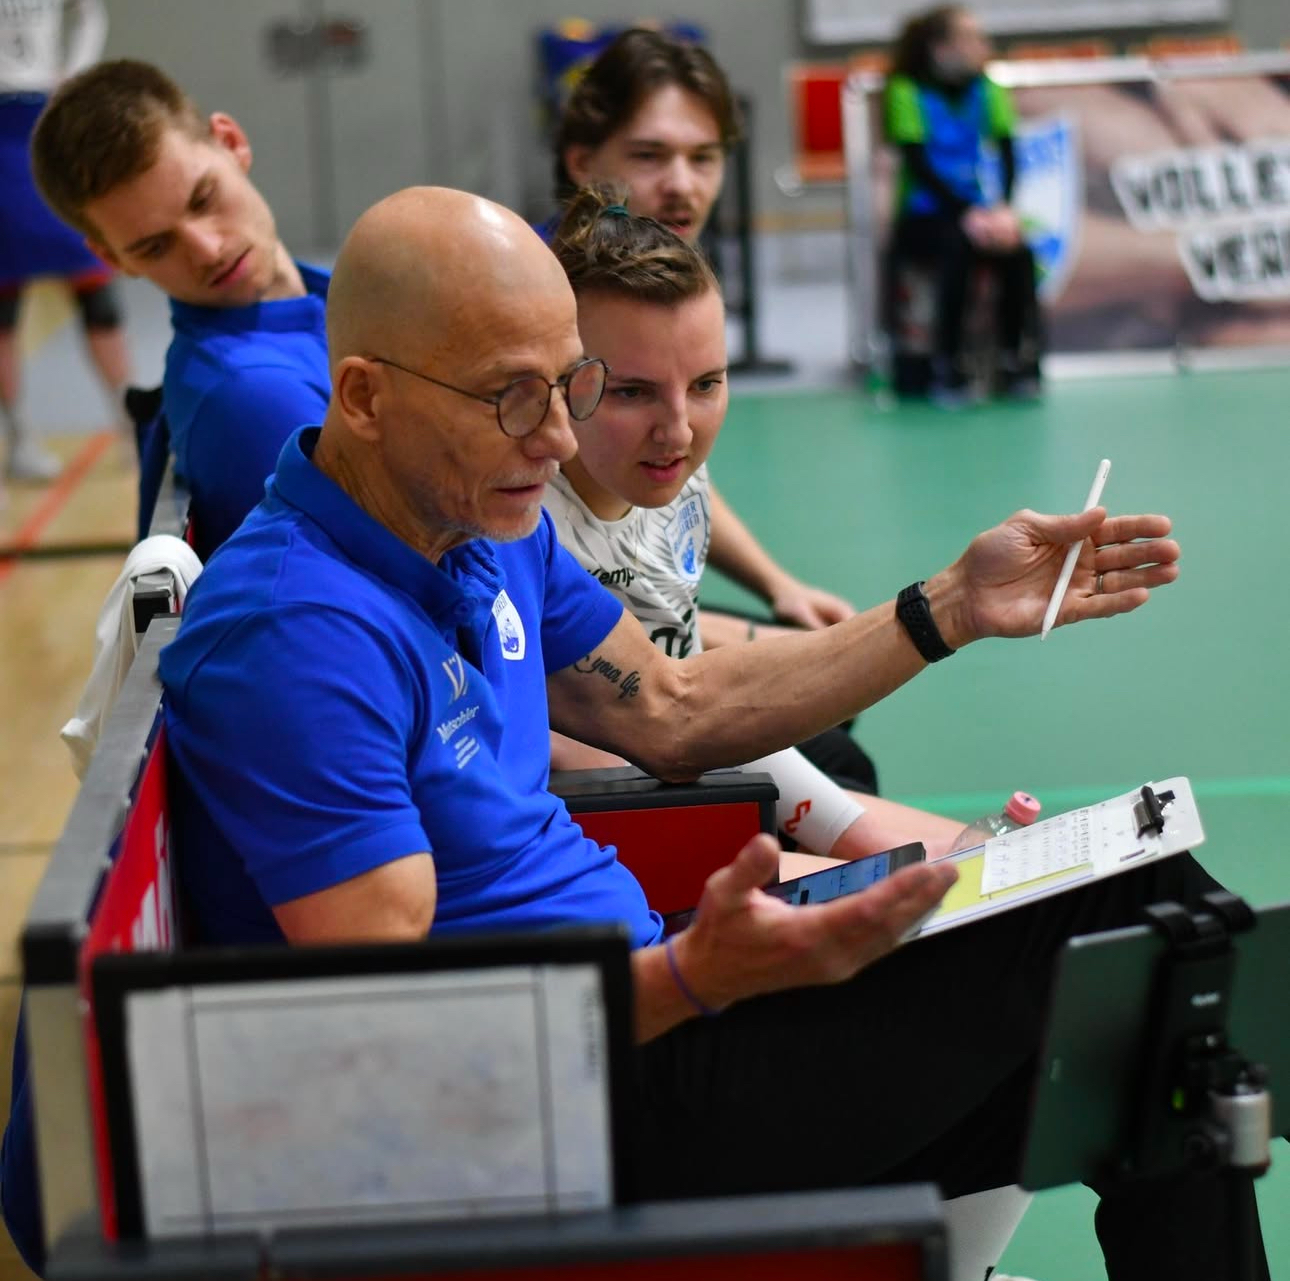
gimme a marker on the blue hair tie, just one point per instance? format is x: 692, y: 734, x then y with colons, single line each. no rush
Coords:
x: 615, y: 211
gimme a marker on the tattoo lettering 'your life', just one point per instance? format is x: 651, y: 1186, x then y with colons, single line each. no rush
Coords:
x: 628, y: 683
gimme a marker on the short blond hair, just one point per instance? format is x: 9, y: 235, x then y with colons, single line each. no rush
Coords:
x: 102, y: 128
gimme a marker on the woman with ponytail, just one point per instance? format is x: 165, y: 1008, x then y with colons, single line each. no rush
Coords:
x: 633, y: 504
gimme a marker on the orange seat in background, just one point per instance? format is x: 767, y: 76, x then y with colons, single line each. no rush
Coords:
x: 816, y: 95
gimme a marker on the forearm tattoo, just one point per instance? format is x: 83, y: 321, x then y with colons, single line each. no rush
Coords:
x: 629, y: 683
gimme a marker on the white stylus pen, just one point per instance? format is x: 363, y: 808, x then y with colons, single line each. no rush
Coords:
x: 1068, y: 565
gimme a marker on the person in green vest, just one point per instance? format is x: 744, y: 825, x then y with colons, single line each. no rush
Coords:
x: 947, y: 117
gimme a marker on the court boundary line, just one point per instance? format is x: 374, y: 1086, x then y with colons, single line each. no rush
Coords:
x: 66, y: 551
x: 57, y: 497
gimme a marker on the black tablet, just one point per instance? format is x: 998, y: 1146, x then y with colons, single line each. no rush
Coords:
x: 1088, y: 1089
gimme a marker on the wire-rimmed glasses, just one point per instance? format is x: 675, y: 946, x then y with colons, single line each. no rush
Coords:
x: 522, y: 405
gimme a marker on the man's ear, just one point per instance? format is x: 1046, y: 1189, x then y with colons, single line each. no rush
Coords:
x: 355, y: 393
x: 577, y: 163
x: 228, y: 134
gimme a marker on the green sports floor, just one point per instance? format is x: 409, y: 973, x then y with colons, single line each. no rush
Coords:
x: 862, y: 499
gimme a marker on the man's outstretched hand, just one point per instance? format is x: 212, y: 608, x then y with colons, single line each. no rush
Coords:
x: 1001, y: 584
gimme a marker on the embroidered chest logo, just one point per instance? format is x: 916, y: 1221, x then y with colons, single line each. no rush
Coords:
x: 686, y: 534
x: 510, y: 629
x: 456, y: 673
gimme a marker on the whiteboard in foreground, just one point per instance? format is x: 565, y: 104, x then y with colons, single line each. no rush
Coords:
x: 366, y: 1099
x: 850, y: 21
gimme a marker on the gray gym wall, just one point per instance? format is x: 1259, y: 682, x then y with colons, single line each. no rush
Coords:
x: 445, y: 94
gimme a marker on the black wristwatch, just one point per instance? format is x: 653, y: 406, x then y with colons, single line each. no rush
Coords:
x: 915, y: 613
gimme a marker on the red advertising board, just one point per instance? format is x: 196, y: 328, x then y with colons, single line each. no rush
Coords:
x: 136, y: 912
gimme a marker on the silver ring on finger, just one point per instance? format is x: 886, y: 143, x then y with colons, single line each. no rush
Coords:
x: 1098, y: 588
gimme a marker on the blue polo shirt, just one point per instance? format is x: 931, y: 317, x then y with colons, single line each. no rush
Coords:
x: 334, y: 702
x: 238, y: 382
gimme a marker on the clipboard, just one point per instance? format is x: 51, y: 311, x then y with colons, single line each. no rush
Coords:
x: 1068, y: 850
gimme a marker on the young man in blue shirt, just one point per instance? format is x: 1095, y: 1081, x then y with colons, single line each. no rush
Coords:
x: 162, y: 192
x: 357, y: 705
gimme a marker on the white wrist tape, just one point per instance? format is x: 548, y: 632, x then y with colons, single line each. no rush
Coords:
x: 812, y: 808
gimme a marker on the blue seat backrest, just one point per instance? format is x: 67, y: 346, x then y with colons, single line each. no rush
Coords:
x: 19, y: 1185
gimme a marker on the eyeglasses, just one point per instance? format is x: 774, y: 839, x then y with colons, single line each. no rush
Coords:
x: 522, y: 405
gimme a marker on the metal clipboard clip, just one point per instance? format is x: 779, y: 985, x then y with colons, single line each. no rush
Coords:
x: 1149, y: 811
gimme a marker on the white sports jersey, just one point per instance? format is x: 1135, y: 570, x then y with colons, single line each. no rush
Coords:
x: 32, y: 54
x: 651, y: 559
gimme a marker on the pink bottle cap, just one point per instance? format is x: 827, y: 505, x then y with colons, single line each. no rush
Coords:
x: 1022, y: 808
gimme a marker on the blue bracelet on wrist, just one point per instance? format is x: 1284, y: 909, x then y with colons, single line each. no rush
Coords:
x: 706, y: 1010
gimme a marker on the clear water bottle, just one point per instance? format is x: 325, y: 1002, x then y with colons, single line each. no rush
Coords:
x: 1021, y: 810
